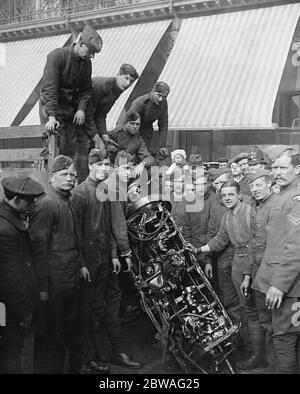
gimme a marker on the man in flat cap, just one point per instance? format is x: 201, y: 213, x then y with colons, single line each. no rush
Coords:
x: 239, y: 169
x: 65, y: 91
x: 223, y: 162
x: 278, y: 273
x: 104, y: 238
x: 18, y: 283
x: 151, y: 107
x: 55, y: 234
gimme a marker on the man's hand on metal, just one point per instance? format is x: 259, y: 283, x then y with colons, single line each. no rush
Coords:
x: 190, y: 248
x: 116, y: 265
x: 138, y: 170
x: 112, y: 145
x: 274, y: 296
x: 79, y: 117
x: 52, y: 125
x: 208, y: 270
x: 164, y: 151
x: 84, y: 274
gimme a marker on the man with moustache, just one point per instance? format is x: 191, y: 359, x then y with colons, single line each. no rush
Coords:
x: 54, y: 231
x: 278, y: 274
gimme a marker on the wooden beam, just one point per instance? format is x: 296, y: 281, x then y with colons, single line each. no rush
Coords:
x: 20, y: 154
x: 20, y: 132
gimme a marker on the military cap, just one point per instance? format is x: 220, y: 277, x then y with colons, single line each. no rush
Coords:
x: 91, y: 39
x: 61, y: 162
x: 23, y: 186
x: 181, y: 152
x: 211, y: 164
x: 218, y: 172
x: 275, y: 151
x: 257, y: 174
x: 123, y: 158
x: 97, y: 155
x: 162, y: 88
x: 195, y: 160
x: 239, y: 157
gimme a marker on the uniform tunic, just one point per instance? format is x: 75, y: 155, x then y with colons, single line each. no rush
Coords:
x: 150, y: 112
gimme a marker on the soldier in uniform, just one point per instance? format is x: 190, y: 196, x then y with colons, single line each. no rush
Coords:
x: 65, y: 91
x: 104, y: 238
x: 239, y: 168
x: 278, y: 274
x: 257, y: 160
x: 106, y: 91
x: 235, y: 228
x: 151, y: 107
x: 129, y: 140
x: 55, y: 235
x: 260, y: 185
x: 224, y: 259
x: 18, y: 283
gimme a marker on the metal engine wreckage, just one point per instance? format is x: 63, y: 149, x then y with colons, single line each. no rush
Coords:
x: 191, y: 322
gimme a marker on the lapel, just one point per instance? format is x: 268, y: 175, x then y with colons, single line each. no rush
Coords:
x: 7, y: 214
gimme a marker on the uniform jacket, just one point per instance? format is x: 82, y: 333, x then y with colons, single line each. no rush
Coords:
x: 258, y: 232
x: 66, y: 81
x: 102, y: 222
x: 280, y: 266
x: 196, y: 222
x: 234, y: 228
x: 151, y: 112
x: 105, y: 94
x: 18, y: 285
x: 245, y: 187
x: 217, y: 211
x: 55, y: 238
x: 133, y: 144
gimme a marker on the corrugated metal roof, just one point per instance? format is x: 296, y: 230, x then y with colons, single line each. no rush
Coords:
x: 132, y: 44
x: 224, y: 70
x: 20, y: 71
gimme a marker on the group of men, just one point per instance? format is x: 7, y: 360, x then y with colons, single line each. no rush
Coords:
x: 61, y: 251
x: 243, y: 226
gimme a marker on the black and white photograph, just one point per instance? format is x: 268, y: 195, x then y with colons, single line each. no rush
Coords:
x: 149, y: 190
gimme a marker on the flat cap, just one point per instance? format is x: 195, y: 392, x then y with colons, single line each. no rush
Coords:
x: 123, y: 157
x: 274, y: 151
x: 97, y: 155
x: 91, y: 39
x: 218, y: 172
x: 23, y: 186
x: 239, y: 157
x: 61, y: 162
x: 257, y: 174
x: 195, y: 160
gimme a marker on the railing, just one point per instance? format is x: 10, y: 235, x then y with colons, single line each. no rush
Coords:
x: 74, y: 7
